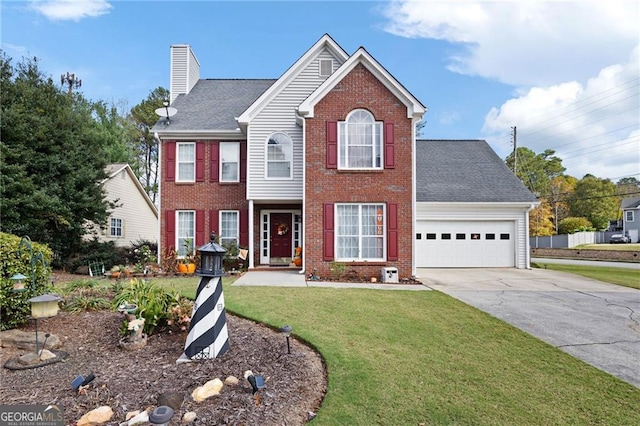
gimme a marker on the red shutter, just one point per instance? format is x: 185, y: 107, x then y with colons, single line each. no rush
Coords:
x: 392, y: 231
x: 389, y: 148
x: 213, y: 221
x: 200, y: 231
x: 200, y: 162
x: 214, y: 162
x: 170, y: 161
x: 169, y: 229
x: 328, y: 252
x: 332, y: 144
x: 244, y: 228
x: 243, y: 162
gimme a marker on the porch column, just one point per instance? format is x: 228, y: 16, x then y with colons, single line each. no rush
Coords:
x: 251, y: 236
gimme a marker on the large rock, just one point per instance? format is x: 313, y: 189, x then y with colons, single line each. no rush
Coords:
x: 209, y: 389
x: 27, y: 340
x: 96, y: 417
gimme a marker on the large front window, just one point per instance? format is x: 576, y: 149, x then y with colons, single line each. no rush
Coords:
x: 186, y: 231
x: 279, y: 156
x: 360, y: 141
x: 360, y: 232
x: 186, y: 162
x: 229, y: 227
x: 229, y: 161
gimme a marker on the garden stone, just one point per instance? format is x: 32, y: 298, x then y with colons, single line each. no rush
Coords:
x: 139, y: 419
x: 209, y: 389
x: 96, y: 417
x: 171, y: 399
x: 189, y: 417
x: 231, y: 380
x: 27, y: 340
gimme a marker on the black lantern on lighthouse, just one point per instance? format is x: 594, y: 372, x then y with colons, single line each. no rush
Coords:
x: 211, y: 256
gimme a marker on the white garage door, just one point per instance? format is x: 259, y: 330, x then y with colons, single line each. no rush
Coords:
x: 450, y: 244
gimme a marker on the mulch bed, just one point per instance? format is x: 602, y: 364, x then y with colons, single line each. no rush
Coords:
x: 132, y: 380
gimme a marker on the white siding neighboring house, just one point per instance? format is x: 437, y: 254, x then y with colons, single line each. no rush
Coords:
x: 135, y: 217
x: 631, y: 218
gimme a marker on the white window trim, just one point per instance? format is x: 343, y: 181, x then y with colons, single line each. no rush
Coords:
x: 112, y: 228
x: 633, y: 216
x: 221, y: 236
x: 384, y: 233
x: 177, y: 227
x: 266, y: 158
x: 343, y: 127
x: 178, y: 162
x: 237, y: 144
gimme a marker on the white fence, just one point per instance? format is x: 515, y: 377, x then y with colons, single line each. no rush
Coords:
x: 571, y: 240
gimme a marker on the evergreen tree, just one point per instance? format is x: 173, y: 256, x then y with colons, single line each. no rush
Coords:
x: 53, y: 157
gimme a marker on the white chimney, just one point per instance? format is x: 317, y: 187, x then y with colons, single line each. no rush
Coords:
x: 185, y: 70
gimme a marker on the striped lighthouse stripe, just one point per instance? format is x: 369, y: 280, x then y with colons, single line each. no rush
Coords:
x: 208, y: 336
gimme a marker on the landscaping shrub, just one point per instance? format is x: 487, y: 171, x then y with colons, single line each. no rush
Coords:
x: 15, y: 307
x: 571, y: 225
x: 155, y: 304
x: 97, y: 251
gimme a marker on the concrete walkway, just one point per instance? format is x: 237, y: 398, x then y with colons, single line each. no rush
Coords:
x: 292, y: 278
x: 596, y: 322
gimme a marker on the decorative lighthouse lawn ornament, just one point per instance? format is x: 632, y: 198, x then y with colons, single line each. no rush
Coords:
x: 208, y: 336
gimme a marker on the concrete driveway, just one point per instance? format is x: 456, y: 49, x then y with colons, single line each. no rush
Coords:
x: 596, y: 322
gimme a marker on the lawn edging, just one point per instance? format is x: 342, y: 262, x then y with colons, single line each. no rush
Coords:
x: 587, y: 254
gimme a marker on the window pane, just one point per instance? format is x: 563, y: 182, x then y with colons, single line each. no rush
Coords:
x: 228, y: 227
x: 185, y: 231
x: 186, y: 161
x: 279, y: 156
x: 360, y: 231
x: 229, y: 160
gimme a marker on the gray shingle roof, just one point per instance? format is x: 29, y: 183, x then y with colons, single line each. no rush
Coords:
x: 630, y: 203
x: 212, y: 104
x: 465, y: 171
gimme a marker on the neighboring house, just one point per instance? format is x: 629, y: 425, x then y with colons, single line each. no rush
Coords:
x: 135, y: 216
x: 631, y: 218
x: 324, y: 158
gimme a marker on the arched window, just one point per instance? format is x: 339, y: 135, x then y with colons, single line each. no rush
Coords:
x: 360, y: 141
x: 279, y: 156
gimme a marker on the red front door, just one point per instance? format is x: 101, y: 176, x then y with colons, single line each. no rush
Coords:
x: 281, y: 235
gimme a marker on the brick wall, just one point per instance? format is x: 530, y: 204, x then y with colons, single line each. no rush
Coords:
x: 205, y: 195
x: 359, y: 89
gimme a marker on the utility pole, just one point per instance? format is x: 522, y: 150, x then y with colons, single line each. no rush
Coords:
x: 70, y: 80
x: 515, y: 156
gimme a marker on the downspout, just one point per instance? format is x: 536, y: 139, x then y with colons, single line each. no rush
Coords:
x: 414, y: 121
x: 527, y: 240
x: 159, y: 249
x: 304, y: 192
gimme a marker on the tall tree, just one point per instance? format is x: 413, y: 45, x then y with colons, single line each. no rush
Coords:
x: 143, y: 117
x: 540, y: 220
x: 560, y: 190
x: 53, y: 159
x: 629, y: 187
x: 595, y: 199
x: 536, y: 170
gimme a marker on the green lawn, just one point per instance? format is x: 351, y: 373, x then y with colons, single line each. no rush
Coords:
x: 609, y: 247
x: 406, y: 358
x: 620, y: 276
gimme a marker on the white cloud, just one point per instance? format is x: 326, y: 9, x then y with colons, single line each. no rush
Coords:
x: 73, y: 10
x: 524, y: 42
x: 593, y: 127
x: 577, y: 88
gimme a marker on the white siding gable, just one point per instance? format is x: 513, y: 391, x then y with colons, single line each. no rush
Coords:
x: 279, y: 115
x: 140, y: 221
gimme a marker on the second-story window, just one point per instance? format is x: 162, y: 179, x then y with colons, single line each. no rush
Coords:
x: 186, y: 162
x: 229, y: 161
x: 279, y: 156
x: 360, y: 141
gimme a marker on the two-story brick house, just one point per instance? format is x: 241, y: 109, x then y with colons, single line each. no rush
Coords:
x: 322, y: 158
